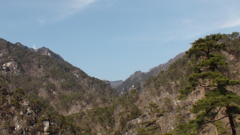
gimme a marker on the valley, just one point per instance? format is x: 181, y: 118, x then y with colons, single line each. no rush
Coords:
x: 197, y: 92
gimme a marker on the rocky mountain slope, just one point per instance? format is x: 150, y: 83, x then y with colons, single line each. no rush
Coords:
x: 24, y: 114
x: 165, y: 105
x: 45, y: 74
x: 164, y: 112
x: 158, y: 109
x: 137, y: 79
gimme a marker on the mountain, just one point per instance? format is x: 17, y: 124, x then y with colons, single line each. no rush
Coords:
x: 137, y: 79
x: 198, y: 93
x: 114, y: 84
x: 158, y: 108
x: 45, y: 74
x: 23, y: 114
x: 161, y: 93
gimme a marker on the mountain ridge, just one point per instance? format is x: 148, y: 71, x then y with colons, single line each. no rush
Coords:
x: 137, y: 79
x: 46, y: 74
x: 86, y: 105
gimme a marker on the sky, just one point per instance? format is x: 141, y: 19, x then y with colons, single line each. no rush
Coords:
x: 111, y: 39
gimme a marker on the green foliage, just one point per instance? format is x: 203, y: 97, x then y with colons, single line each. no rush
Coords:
x: 38, y: 104
x: 173, y: 75
x: 216, y: 79
x: 185, y: 91
x: 154, y: 109
x: 185, y: 129
x: 210, y: 65
x: 50, y: 87
x: 104, y: 115
x: 206, y: 46
x: 3, y: 82
x: 70, y: 84
x: 68, y: 99
x: 17, y: 96
x: 168, y: 134
x: 221, y: 128
x: 134, y: 112
x: 118, y: 133
x: 205, y: 67
x: 213, y: 62
x: 232, y: 43
x: 149, y: 128
x: 48, y: 75
x: 168, y: 104
x: 128, y: 98
x: 216, y: 99
x: 34, y: 111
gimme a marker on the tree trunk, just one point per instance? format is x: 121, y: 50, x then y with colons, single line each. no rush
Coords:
x: 232, y: 123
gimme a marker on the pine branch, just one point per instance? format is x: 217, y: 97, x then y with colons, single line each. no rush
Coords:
x: 211, y: 121
x: 201, y: 128
x: 208, y: 121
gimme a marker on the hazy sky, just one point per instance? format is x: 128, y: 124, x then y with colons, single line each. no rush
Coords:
x: 111, y: 39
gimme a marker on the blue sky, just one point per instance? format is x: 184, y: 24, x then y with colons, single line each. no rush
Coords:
x: 111, y: 39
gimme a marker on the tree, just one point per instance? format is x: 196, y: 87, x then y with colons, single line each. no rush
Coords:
x: 210, y: 67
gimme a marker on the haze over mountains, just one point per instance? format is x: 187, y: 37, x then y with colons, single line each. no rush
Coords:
x: 196, y: 92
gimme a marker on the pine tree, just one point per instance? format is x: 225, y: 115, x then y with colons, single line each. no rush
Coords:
x: 210, y: 67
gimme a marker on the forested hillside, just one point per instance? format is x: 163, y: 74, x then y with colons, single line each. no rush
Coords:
x: 45, y: 74
x: 24, y: 114
x: 166, y: 105
x: 197, y: 94
x: 137, y: 79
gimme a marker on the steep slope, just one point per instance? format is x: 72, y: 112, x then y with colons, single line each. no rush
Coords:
x: 22, y: 114
x: 44, y: 73
x: 137, y: 79
x: 157, y: 109
x: 162, y: 92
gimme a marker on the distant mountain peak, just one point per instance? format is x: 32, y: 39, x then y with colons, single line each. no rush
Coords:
x: 138, y: 78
